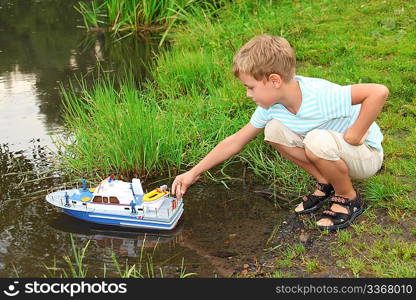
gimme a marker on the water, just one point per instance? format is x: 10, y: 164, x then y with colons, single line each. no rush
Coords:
x: 40, y: 49
x: 222, y: 228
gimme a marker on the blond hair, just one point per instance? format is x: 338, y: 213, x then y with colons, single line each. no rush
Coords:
x: 264, y: 55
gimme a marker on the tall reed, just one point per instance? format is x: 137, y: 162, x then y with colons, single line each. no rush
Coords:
x: 92, y: 14
x: 138, y: 15
x: 119, y: 130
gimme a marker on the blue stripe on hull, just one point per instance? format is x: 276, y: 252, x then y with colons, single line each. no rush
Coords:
x: 134, y: 223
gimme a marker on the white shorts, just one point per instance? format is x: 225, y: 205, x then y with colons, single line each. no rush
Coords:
x: 363, y: 161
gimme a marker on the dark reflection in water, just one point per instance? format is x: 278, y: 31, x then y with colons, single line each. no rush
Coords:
x: 41, y: 47
x: 21, y: 216
x: 132, y: 239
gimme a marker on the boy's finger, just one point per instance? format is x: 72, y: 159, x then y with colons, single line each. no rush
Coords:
x: 181, y: 191
x: 180, y: 194
x: 178, y: 190
x: 174, y: 187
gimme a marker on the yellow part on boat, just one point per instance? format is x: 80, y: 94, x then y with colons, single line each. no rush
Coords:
x: 154, y: 195
x: 85, y: 199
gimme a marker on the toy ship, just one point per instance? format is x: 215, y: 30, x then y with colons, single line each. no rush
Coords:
x: 119, y: 203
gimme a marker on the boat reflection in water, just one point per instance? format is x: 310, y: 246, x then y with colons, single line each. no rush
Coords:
x: 122, y: 241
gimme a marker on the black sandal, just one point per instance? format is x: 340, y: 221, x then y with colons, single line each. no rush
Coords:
x: 314, y: 202
x: 354, y: 206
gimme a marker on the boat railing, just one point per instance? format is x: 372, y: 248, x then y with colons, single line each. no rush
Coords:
x: 67, y: 186
x: 169, y: 210
x: 71, y: 204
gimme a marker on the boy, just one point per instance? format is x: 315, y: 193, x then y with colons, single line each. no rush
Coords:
x: 326, y: 129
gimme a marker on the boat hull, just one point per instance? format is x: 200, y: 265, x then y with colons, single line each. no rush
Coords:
x: 123, y: 221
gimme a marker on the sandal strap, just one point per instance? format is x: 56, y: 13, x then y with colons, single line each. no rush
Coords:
x: 312, y: 200
x: 346, y: 202
x: 335, y: 217
x: 326, y: 188
x: 350, y: 204
x: 340, y: 200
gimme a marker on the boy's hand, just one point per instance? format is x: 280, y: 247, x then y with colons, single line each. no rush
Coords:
x: 354, y: 139
x: 182, y: 182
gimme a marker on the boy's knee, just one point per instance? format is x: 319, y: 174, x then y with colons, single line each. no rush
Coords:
x: 272, y: 143
x: 320, y: 143
x: 277, y: 133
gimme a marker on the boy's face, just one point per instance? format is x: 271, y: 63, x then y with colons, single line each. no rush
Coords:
x: 263, y: 93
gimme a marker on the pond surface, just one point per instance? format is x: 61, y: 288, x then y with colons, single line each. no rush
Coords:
x: 41, y: 48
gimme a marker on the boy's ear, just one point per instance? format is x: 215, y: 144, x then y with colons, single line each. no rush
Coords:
x: 276, y: 80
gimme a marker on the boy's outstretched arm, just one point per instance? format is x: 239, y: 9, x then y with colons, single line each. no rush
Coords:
x: 224, y: 150
x: 372, y: 97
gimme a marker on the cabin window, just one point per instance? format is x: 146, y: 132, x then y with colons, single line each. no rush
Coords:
x: 97, y: 199
x: 114, y: 200
x: 105, y: 199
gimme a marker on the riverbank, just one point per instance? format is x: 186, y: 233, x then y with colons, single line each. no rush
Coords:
x: 193, y: 102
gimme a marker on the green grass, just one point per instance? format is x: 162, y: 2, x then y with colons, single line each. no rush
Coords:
x: 193, y: 84
x: 382, y: 252
x: 280, y: 274
x: 312, y: 266
x: 136, y: 16
x: 355, y: 265
x: 288, y: 256
x: 344, y: 237
x: 393, y: 258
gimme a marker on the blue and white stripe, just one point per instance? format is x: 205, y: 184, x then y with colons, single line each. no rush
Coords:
x: 325, y: 105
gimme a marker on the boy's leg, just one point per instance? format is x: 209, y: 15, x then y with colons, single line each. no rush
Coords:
x: 337, y: 160
x: 298, y: 156
x: 337, y: 174
x: 290, y: 146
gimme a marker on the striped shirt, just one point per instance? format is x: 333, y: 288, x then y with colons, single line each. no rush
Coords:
x: 325, y: 105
